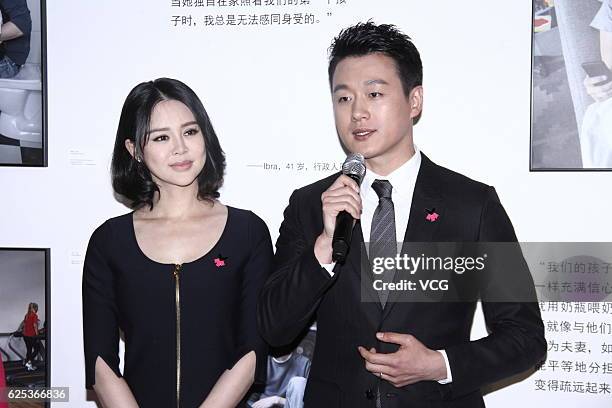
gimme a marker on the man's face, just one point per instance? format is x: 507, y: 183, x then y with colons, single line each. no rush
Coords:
x: 373, y: 115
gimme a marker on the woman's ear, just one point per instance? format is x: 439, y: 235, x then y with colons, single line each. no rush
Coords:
x: 131, y: 148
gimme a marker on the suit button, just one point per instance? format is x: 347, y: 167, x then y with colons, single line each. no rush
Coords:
x: 369, y: 394
x: 391, y: 395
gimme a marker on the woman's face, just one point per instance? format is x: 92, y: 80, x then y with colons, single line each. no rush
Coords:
x: 175, y: 152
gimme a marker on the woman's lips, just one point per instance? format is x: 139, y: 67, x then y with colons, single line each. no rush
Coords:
x: 363, y: 133
x: 182, y: 166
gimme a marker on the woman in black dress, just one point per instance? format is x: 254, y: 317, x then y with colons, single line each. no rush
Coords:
x: 180, y: 275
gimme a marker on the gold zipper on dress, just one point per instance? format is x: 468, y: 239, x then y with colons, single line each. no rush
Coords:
x: 177, y: 298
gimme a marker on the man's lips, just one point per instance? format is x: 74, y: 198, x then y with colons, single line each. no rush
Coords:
x: 363, y: 133
x: 183, y: 165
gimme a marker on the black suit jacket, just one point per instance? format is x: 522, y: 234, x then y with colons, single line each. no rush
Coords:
x: 300, y: 289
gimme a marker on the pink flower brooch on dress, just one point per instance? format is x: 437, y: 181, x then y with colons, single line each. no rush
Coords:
x: 220, y: 261
x: 432, y: 215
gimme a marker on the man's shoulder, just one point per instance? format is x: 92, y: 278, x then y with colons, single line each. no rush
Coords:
x: 451, y: 184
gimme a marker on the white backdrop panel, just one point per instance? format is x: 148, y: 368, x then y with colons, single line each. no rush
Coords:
x: 266, y: 91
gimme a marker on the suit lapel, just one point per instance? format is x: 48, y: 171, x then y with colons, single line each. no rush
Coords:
x: 425, y: 200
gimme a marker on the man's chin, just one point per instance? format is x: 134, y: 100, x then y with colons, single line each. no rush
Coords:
x: 368, y: 154
x: 363, y: 148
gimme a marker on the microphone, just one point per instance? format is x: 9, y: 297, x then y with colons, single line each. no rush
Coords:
x: 354, y: 167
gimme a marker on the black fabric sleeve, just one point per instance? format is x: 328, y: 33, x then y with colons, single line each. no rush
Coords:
x: 516, y: 339
x: 19, y: 14
x: 100, y: 321
x: 293, y: 293
x: 255, y: 273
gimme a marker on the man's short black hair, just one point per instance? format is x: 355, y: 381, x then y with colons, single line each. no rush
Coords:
x: 369, y: 38
x: 130, y: 177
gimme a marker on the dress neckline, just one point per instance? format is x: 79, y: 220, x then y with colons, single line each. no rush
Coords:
x: 198, y: 259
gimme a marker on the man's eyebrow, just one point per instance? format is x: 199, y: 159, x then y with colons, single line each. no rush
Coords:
x: 376, y: 81
x: 339, y: 87
x: 369, y: 82
x: 165, y: 129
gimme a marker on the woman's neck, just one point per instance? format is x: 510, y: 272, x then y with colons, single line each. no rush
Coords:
x: 176, y: 202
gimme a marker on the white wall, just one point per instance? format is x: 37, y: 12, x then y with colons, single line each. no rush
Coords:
x: 266, y: 91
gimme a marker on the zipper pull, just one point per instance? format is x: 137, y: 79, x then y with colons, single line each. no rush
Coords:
x: 177, y: 270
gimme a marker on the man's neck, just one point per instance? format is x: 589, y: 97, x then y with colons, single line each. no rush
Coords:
x: 384, y: 166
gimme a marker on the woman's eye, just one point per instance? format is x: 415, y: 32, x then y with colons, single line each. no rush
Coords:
x: 191, y: 132
x: 160, y: 138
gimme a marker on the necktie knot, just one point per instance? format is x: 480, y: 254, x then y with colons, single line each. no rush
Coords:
x: 382, y: 188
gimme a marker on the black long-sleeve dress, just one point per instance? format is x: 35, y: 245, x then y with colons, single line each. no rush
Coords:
x: 183, y: 325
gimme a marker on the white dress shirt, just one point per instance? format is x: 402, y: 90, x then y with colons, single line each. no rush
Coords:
x: 403, y: 180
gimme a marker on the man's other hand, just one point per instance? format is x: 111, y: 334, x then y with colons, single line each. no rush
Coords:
x: 411, y: 363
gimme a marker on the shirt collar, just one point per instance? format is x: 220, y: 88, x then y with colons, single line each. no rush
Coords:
x: 403, y: 179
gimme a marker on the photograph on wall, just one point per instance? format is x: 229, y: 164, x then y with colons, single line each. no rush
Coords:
x: 24, y: 301
x: 287, y: 374
x: 571, y: 122
x: 22, y: 123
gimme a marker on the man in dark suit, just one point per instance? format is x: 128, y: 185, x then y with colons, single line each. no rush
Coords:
x: 387, y: 353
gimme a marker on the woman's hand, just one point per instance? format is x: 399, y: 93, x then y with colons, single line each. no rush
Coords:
x: 112, y: 391
x: 233, y: 384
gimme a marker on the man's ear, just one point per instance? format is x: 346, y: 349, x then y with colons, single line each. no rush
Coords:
x: 415, y: 99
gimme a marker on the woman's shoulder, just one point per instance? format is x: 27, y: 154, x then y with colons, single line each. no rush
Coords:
x: 112, y: 228
x: 246, y: 219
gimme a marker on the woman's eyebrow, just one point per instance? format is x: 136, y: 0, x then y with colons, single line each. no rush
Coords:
x: 165, y: 129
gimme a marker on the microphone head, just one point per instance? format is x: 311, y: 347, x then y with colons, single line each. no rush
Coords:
x: 354, y: 167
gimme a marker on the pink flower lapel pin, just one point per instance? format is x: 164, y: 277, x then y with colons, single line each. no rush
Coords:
x: 220, y: 261
x: 432, y: 215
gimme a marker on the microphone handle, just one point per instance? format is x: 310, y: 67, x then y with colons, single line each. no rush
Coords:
x: 343, y: 233
x: 342, y: 236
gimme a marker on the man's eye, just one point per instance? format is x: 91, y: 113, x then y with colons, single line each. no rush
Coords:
x: 343, y: 99
x: 375, y: 94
